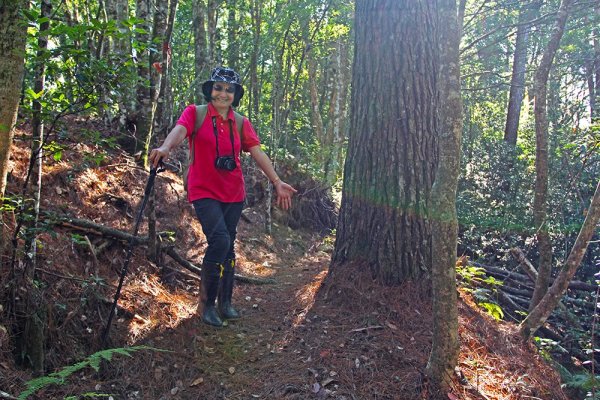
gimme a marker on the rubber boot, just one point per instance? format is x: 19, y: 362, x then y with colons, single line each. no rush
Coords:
x: 210, y: 287
x: 226, y: 291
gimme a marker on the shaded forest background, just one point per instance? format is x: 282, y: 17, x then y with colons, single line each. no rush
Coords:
x: 132, y: 66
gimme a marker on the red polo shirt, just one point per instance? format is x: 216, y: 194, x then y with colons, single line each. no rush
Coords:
x: 204, y: 179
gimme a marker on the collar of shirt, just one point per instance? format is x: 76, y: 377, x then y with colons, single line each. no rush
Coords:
x: 212, y: 112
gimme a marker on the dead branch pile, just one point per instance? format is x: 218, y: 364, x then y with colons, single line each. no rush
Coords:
x: 313, y: 206
x: 575, y: 312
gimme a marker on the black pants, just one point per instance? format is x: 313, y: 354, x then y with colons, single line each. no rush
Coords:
x: 219, y: 224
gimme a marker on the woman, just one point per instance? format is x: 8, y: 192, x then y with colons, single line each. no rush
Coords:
x: 215, y: 183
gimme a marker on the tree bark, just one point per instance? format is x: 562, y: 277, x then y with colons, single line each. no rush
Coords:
x: 144, y: 109
x: 12, y: 55
x: 164, y: 103
x: 445, y: 347
x: 35, y: 316
x: 595, y: 94
x: 391, y: 158
x: 232, y: 35
x: 538, y: 316
x: 540, y: 202
x: 517, y: 80
x: 254, y: 87
x: 201, y: 64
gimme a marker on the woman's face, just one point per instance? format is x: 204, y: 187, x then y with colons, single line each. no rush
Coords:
x: 222, y: 94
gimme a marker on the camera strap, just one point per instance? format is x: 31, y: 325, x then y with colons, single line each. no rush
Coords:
x: 214, y: 121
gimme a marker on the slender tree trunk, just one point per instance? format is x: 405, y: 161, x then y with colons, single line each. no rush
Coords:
x: 538, y: 316
x: 517, y: 81
x: 392, y: 157
x: 232, y: 35
x: 315, y: 105
x: 164, y: 106
x: 212, y: 17
x: 338, y: 112
x: 33, y: 335
x: 445, y: 348
x: 254, y: 90
x: 540, y: 203
x: 595, y: 93
x: 201, y: 64
x: 144, y: 112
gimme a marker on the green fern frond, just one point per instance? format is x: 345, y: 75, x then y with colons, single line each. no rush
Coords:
x: 93, y: 361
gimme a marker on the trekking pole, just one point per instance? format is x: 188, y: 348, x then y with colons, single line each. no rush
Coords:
x: 147, y: 191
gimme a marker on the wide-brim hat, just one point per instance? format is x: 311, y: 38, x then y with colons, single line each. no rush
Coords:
x: 226, y: 75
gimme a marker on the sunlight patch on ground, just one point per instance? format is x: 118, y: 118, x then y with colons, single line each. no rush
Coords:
x: 154, y: 306
x: 305, y: 298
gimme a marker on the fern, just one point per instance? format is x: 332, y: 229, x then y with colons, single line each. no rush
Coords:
x: 93, y: 361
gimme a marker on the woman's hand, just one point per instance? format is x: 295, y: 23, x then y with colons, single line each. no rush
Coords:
x: 284, y: 194
x: 158, y: 154
x: 173, y: 139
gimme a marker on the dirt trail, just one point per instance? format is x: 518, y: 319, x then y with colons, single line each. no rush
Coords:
x: 240, y: 360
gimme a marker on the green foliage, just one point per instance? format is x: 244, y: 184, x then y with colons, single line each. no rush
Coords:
x: 55, y: 149
x: 582, y: 382
x: 472, y: 278
x: 93, y: 361
x: 492, y: 309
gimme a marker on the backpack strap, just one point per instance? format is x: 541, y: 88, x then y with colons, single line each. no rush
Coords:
x: 239, y: 122
x: 200, y: 115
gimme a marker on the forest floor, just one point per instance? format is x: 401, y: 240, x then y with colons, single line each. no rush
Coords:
x: 301, y: 336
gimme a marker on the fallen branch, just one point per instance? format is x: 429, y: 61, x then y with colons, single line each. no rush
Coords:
x: 100, y: 230
x: 89, y: 226
x: 241, y: 278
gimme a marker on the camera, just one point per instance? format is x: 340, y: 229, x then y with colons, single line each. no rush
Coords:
x: 227, y: 163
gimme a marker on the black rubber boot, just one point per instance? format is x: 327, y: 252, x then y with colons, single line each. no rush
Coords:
x: 226, y: 291
x: 210, y: 287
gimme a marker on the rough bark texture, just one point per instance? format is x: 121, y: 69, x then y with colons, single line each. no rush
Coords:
x: 540, y: 202
x: 391, y: 157
x: 517, y: 81
x: 538, y: 316
x: 12, y: 52
x: 445, y: 347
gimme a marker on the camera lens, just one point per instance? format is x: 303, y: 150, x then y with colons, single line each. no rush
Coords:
x: 226, y: 163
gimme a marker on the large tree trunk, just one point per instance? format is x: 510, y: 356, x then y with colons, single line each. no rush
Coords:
x: 540, y: 202
x: 12, y: 54
x: 538, y: 316
x: 517, y: 81
x: 391, y: 157
x: 445, y: 348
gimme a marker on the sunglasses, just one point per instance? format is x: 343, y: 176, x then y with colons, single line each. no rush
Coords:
x: 228, y: 89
